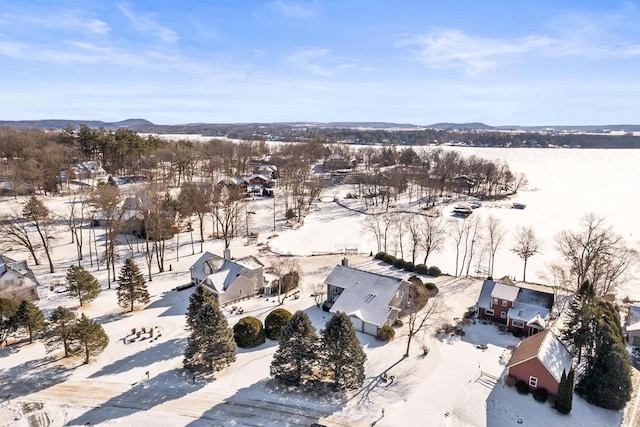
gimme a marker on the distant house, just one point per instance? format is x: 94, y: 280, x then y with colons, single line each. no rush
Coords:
x: 259, y: 179
x: 370, y: 300
x: 539, y: 361
x: 17, y: 280
x: 87, y: 170
x: 524, y: 311
x: 229, y: 280
x: 632, y: 327
x: 270, y: 171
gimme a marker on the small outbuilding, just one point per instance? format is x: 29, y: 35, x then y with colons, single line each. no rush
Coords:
x: 632, y: 327
x: 539, y: 361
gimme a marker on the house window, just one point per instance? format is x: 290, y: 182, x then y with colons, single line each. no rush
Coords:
x: 503, y: 314
x: 533, y: 382
x: 517, y: 323
x: 504, y: 302
x: 495, y: 301
x: 488, y: 312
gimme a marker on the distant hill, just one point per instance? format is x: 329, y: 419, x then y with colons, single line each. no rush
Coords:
x: 142, y: 125
x: 461, y: 126
x: 63, y: 124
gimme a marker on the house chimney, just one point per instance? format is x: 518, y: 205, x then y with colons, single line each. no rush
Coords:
x: 345, y: 262
x: 226, y: 254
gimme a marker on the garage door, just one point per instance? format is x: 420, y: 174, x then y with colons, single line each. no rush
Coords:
x: 370, y: 329
x: 357, y: 323
x: 636, y: 342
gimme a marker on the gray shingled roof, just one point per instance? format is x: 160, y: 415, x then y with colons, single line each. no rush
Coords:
x: 366, y: 295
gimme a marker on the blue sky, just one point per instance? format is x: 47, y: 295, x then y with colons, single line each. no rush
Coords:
x: 499, y: 62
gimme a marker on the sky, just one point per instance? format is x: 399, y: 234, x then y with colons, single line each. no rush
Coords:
x: 540, y: 62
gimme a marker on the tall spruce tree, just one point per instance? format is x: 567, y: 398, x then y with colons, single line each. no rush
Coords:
x: 296, y: 357
x: 197, y: 299
x: 577, y: 332
x: 29, y: 317
x: 8, y: 325
x: 132, y: 287
x: 211, y: 345
x: 90, y: 336
x: 564, y: 399
x: 606, y: 381
x: 82, y: 284
x: 62, y: 323
x: 342, y: 354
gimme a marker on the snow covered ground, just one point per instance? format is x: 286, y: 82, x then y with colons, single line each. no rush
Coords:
x: 444, y: 388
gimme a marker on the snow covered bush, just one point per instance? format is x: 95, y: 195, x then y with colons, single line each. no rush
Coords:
x: 386, y: 333
x: 249, y: 332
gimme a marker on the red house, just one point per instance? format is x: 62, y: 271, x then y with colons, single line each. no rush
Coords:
x: 539, y: 361
x: 524, y: 311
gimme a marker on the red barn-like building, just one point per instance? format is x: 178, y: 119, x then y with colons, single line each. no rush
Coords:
x: 539, y: 361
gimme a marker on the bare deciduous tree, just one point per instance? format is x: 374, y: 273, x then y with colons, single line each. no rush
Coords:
x: 14, y: 230
x: 595, y: 253
x: 35, y: 211
x: 495, y: 236
x: 433, y: 234
x: 526, y: 245
x: 423, y: 311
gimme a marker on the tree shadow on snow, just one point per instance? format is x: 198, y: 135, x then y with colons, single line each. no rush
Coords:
x: 155, y: 353
x: 269, y: 403
x: 143, y: 396
x: 176, y: 303
x: 33, y: 376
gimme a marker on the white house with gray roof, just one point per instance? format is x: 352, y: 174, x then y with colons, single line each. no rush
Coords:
x: 229, y: 280
x: 17, y: 280
x: 632, y: 327
x: 370, y: 300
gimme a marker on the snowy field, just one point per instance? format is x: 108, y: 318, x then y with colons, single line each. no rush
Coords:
x: 444, y: 388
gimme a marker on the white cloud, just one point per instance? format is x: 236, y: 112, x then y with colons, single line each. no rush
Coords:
x: 66, y: 20
x: 309, y: 60
x: 451, y: 48
x: 297, y: 9
x: 146, y: 23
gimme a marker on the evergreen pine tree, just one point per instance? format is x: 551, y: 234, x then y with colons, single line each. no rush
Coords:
x: 342, y: 354
x: 61, y: 328
x: 606, y: 381
x: 565, y: 393
x: 571, y: 381
x: 82, y: 284
x: 211, y: 345
x: 8, y: 308
x: 577, y: 330
x: 296, y: 356
x: 30, y: 317
x: 196, y: 301
x: 91, y: 337
x: 132, y: 287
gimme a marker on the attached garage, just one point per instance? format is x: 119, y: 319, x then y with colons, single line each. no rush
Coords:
x: 635, y: 340
x: 370, y: 329
x: 357, y: 323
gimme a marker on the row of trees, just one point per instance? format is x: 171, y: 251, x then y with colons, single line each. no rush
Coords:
x: 63, y: 328
x: 335, y: 358
x: 594, y: 333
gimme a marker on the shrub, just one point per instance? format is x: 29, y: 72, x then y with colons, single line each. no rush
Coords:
x: 290, y: 214
x: 408, y: 266
x: 248, y: 332
x: 389, y: 259
x: 398, y: 323
x: 432, y: 288
x: 421, y: 269
x: 415, y: 279
x: 380, y: 255
x: 398, y: 263
x: 386, y: 333
x: 447, y: 328
x: 510, y: 380
x: 434, y: 271
x: 275, y: 323
x: 522, y: 387
x: 540, y: 394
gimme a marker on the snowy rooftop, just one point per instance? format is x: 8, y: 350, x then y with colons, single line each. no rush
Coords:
x: 505, y: 292
x: 366, y: 295
x: 548, y: 349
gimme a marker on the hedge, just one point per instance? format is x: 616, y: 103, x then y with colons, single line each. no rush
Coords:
x: 421, y: 269
x: 434, y: 271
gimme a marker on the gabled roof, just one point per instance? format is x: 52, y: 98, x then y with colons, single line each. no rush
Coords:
x: 224, y: 271
x: 20, y: 268
x: 506, y: 292
x: 548, y: 349
x: 366, y: 295
x: 484, y: 300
